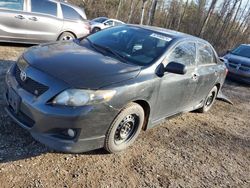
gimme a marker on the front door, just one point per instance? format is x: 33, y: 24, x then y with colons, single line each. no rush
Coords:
x: 177, y: 90
x: 12, y: 22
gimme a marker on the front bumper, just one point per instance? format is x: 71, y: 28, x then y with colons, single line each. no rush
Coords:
x: 46, y: 122
x: 238, y: 75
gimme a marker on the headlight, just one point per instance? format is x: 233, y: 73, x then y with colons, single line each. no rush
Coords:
x: 22, y: 63
x: 79, y: 97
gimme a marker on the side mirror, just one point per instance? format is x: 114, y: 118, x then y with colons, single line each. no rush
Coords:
x: 229, y: 51
x: 176, y: 68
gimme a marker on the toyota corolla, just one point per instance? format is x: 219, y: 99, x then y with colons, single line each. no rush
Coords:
x: 102, y: 90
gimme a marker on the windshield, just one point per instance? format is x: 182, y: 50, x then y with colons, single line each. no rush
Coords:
x: 242, y: 50
x: 135, y: 45
x: 100, y: 20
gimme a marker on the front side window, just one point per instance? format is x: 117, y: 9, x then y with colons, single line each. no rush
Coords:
x: 206, y: 54
x: 70, y: 13
x: 11, y: 4
x: 136, y: 45
x: 44, y: 7
x: 184, y: 53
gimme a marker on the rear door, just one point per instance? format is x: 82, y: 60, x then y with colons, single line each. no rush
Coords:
x: 177, y: 90
x: 12, y: 20
x: 43, y: 21
x: 206, y: 71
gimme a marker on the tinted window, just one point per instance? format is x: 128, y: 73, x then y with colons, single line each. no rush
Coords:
x: 44, y: 7
x: 185, y: 54
x: 110, y: 23
x: 206, y: 54
x: 70, y: 13
x: 100, y: 20
x: 242, y: 50
x: 12, y: 4
x: 135, y: 45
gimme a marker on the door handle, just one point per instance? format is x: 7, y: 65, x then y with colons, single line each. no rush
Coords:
x: 195, y: 76
x: 33, y: 19
x: 20, y: 17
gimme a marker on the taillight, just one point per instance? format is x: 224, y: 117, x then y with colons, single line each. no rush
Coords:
x: 226, y: 71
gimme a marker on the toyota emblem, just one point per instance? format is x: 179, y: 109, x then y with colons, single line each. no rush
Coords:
x: 23, y: 76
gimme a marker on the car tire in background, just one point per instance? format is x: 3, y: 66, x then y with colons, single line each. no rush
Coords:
x: 209, y: 101
x: 125, y: 128
x: 66, y: 36
x: 96, y: 29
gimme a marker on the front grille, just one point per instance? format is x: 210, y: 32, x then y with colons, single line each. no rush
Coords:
x: 238, y: 66
x: 30, y: 85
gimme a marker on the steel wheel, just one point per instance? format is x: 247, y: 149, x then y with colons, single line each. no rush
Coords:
x: 125, y: 128
x: 209, y: 101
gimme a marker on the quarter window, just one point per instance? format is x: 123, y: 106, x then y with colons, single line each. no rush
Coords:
x: 70, y: 13
x: 185, y: 54
x: 44, y: 7
x: 11, y: 4
x: 206, y: 54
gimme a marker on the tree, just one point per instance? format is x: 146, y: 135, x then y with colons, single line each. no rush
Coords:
x: 144, y: 2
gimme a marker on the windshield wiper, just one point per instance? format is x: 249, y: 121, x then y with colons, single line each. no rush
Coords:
x: 107, y: 49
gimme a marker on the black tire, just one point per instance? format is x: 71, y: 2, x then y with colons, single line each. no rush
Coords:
x: 209, y: 101
x: 96, y: 29
x: 119, y: 137
x: 66, y: 36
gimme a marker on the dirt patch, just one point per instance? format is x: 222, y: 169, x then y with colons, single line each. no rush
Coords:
x: 193, y: 150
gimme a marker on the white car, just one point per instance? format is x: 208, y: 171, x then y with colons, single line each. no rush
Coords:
x: 100, y: 23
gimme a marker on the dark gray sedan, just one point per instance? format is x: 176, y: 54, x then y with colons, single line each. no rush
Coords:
x: 101, y: 91
x: 238, y: 63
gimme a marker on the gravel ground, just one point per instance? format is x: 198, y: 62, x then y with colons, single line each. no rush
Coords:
x: 192, y: 150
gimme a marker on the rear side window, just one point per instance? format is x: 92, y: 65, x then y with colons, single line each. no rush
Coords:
x: 184, y: 53
x: 44, y: 7
x: 206, y: 54
x: 11, y: 4
x: 70, y: 13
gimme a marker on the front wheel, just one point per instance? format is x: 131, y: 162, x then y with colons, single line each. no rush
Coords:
x: 209, y: 101
x: 125, y: 128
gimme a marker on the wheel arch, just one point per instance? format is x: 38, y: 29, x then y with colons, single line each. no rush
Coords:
x: 147, y: 109
x: 218, y: 85
x: 66, y: 31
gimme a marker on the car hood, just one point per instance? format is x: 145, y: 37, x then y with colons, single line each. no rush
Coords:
x: 79, y: 65
x: 238, y: 59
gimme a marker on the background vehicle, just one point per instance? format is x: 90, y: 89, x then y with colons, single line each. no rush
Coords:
x: 100, y: 23
x: 238, y: 63
x: 33, y: 21
x: 102, y: 91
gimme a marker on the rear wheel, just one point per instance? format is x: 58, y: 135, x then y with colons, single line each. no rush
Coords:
x: 66, y: 36
x: 96, y: 29
x: 125, y: 128
x: 209, y: 101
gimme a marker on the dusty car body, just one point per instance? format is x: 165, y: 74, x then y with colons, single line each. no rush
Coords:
x: 32, y: 21
x: 72, y: 96
x: 100, y: 23
x: 238, y: 63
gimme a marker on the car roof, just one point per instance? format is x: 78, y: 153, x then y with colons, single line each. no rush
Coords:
x: 169, y: 32
x: 245, y: 45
